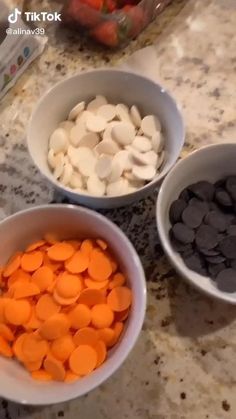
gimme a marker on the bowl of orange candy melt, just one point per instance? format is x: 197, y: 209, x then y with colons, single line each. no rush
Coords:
x: 72, y: 303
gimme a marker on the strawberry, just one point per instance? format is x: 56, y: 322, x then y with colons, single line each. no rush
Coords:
x: 111, y: 5
x: 78, y: 12
x: 94, y: 4
x: 138, y: 20
x: 107, y: 33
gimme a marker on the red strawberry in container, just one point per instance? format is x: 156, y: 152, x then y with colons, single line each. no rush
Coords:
x: 107, y: 33
x: 109, y: 6
x: 94, y: 4
x: 111, y: 22
x: 138, y: 19
x: 112, y: 32
x: 77, y: 11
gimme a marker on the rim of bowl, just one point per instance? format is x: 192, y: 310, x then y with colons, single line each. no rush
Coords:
x: 130, y: 343
x: 146, y: 187
x: 168, y: 248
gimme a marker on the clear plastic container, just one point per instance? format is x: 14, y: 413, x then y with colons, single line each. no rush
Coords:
x: 112, y: 27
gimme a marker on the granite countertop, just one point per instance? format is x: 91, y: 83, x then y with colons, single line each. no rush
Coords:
x: 184, y: 364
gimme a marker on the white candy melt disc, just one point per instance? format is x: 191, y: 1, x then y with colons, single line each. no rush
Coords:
x: 66, y: 174
x: 72, y: 154
x: 90, y: 140
x: 142, y: 143
x: 59, y: 165
x: 96, y: 103
x: 157, y: 142
x: 66, y: 159
x: 108, y: 112
x: 144, y: 172
x: 136, y: 183
x: 76, y: 180
x: 77, y: 133
x: 132, y: 189
x: 96, y: 186
x: 59, y: 140
x: 123, y: 158
x: 76, y: 111
x: 123, y: 133
x: 136, y: 157
x: 103, y: 166
x: 107, y: 133
x: 95, y: 123
x: 85, y: 161
x: 151, y: 158
x: 51, y: 159
x: 129, y: 176
x: 135, y: 116
x: 120, y: 187
x: 150, y: 124
x: 116, y: 171
x: 107, y: 147
x: 122, y: 112
x: 67, y: 125
x: 82, y: 117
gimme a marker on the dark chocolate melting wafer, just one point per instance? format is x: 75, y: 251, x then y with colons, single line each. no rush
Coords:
x: 178, y: 246
x: 231, y: 230
x: 203, y: 190
x: 231, y: 186
x: 226, y: 280
x: 233, y: 193
x: 220, y: 183
x: 213, y: 206
x: 183, y: 233
x: 195, y: 263
x: 176, y: 209
x: 188, y: 251
x: 192, y: 216
x: 217, y: 220
x: 209, y: 252
x: 206, y: 237
x: 228, y: 247
x: 215, y: 260
x: 202, y: 205
x: 185, y: 195
x: 214, y: 270
x: 223, y: 198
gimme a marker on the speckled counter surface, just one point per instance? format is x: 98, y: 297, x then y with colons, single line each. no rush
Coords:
x: 184, y: 364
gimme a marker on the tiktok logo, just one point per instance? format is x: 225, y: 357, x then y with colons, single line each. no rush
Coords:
x: 12, y: 18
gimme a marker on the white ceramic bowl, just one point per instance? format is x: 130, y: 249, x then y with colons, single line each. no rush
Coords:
x: 118, y: 86
x: 209, y: 163
x: 70, y: 221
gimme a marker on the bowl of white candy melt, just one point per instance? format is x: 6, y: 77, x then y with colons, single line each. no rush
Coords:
x: 106, y: 138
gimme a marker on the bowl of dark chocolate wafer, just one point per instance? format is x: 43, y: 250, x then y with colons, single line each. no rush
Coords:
x: 196, y: 219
